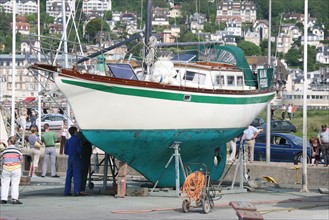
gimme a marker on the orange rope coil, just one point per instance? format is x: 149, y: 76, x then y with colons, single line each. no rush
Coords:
x: 193, y: 186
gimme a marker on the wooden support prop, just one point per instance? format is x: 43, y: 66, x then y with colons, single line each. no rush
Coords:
x: 249, y: 215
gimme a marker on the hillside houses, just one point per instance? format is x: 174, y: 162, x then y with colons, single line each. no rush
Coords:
x: 23, y: 7
x: 322, y: 55
x: 228, y: 9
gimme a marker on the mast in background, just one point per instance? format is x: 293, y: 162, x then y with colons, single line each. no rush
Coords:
x: 13, y: 82
x: 304, y: 173
x: 148, y: 32
x: 268, y: 110
x: 39, y: 72
x: 66, y: 61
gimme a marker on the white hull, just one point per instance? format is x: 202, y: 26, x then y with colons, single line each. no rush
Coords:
x: 96, y: 109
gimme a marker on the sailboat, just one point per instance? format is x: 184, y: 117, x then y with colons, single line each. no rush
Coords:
x: 195, y: 103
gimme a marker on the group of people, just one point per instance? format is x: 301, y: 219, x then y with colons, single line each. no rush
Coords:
x: 318, y: 144
x: 77, y: 147
x: 48, y: 139
x: 321, y: 143
x: 290, y: 109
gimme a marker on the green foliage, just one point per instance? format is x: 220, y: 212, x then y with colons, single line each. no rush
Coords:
x: 187, y: 37
x: 293, y: 57
x: 311, y: 58
x: 250, y: 49
x: 264, y: 47
x: 95, y: 26
x: 208, y: 27
x: 108, y: 15
x: 31, y: 19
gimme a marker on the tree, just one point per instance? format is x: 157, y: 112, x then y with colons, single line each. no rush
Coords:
x: 311, y: 58
x: 31, y: 19
x: 293, y: 57
x: 107, y: 15
x: 250, y: 49
x: 95, y: 26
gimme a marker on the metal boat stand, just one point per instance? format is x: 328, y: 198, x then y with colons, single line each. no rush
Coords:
x: 108, y: 162
x: 178, y: 161
x: 240, y: 164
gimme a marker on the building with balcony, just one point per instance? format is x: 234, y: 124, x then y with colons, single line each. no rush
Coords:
x: 96, y: 7
x: 244, y: 9
x: 23, y: 7
x: 54, y: 7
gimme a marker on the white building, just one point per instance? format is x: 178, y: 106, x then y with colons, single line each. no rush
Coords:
x: 245, y: 9
x: 96, y: 7
x: 322, y: 55
x: 234, y: 26
x: 261, y: 26
x: 54, y: 7
x: 23, y: 7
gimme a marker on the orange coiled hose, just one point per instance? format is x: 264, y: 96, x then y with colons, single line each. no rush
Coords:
x: 193, y: 186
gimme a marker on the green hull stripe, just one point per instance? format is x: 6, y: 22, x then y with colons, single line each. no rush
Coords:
x: 169, y: 95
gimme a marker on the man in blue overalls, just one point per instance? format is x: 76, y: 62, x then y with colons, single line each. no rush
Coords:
x: 72, y: 148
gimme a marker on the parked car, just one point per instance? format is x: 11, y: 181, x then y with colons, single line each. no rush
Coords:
x: 257, y: 122
x: 55, y: 121
x: 283, y: 147
x: 279, y: 126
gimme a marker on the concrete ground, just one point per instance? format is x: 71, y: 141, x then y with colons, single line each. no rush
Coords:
x: 43, y: 199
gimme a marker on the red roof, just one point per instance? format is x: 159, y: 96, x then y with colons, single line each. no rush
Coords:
x: 29, y: 99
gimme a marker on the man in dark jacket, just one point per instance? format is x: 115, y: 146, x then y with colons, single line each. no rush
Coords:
x: 72, y: 148
x: 86, y: 151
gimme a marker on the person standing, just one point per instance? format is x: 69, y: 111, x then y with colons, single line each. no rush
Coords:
x: 72, y: 148
x: 86, y: 151
x: 22, y: 123
x: 289, y: 110
x: 35, y: 151
x: 33, y: 118
x: 248, y: 137
x: 293, y: 110
x: 283, y: 112
x: 323, y: 137
x: 64, y: 134
x: 272, y: 112
x: 49, y: 138
x: 12, y: 158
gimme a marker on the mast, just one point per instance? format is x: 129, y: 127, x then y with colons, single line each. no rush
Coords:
x: 13, y: 82
x: 268, y: 109
x: 66, y: 61
x: 148, y: 32
x: 148, y: 27
x: 39, y: 72
x: 304, y: 172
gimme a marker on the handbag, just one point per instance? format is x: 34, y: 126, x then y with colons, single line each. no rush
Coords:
x: 37, y: 145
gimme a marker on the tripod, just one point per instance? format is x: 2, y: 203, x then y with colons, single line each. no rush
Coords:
x: 178, y: 160
x: 240, y: 164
